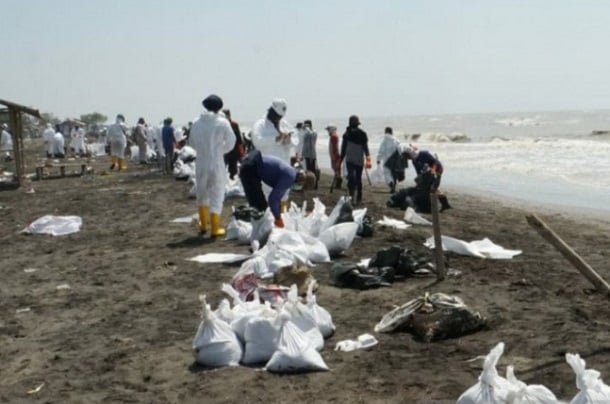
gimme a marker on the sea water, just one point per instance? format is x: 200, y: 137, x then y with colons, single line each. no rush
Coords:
x: 560, y: 158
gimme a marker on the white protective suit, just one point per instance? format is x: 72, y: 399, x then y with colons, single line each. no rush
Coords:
x: 78, y: 141
x: 58, y: 144
x: 263, y: 138
x: 6, y: 141
x: 388, y: 146
x: 159, y: 142
x: 117, y: 139
x: 212, y: 137
x: 48, y: 135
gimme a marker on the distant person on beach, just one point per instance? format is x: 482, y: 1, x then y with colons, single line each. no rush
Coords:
x: 117, y: 136
x: 212, y: 137
x: 429, y: 171
x: 58, y: 148
x: 47, y: 135
x: 299, y: 132
x: 387, y: 149
x: 237, y: 153
x: 355, y: 153
x: 335, y: 155
x: 6, y: 143
x: 258, y: 169
x: 141, y: 139
x: 77, y: 142
x: 273, y: 136
x: 169, y: 144
x: 308, y: 150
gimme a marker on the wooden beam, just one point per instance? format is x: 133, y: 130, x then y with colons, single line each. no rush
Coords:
x: 438, y: 240
x: 587, y: 271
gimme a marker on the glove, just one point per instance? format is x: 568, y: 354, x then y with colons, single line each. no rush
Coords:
x: 279, y: 223
x: 368, y: 164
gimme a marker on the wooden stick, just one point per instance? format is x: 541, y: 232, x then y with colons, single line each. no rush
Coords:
x: 549, y: 235
x: 438, y: 241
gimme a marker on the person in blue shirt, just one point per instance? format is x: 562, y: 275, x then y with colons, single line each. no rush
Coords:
x: 257, y: 168
x: 169, y: 143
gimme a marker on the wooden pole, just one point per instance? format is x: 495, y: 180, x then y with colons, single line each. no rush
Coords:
x: 438, y: 241
x: 549, y: 235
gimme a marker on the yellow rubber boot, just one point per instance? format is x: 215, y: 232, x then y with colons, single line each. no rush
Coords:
x: 284, y: 206
x: 216, y: 229
x: 114, y: 160
x: 204, y: 213
x: 122, y: 164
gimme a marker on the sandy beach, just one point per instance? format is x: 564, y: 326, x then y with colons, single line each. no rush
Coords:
x: 121, y: 330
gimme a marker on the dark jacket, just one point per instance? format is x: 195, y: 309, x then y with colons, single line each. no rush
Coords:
x: 354, y: 146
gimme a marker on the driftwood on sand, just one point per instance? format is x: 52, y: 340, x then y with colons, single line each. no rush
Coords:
x: 600, y: 284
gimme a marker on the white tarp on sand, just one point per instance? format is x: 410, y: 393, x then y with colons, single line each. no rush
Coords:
x: 480, y: 248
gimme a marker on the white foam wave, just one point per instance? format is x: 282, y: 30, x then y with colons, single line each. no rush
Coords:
x: 439, y: 137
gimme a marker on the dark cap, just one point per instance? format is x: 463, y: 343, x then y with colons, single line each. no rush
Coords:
x: 212, y: 103
x: 354, y: 121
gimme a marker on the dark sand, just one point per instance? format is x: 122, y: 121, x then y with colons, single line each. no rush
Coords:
x: 123, y: 330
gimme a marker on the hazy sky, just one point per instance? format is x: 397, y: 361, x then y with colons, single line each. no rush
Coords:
x: 326, y: 58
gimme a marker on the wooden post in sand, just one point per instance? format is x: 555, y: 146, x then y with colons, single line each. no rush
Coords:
x: 438, y: 241
x: 549, y: 235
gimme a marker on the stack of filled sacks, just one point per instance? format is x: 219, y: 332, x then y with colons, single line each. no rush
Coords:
x: 286, y: 338
x: 184, y: 166
x: 306, y: 239
x: 495, y: 389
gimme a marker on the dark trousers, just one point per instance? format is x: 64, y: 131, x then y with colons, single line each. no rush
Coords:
x: 169, y: 158
x: 312, y: 165
x: 251, y: 181
x: 354, y: 178
x: 231, y: 159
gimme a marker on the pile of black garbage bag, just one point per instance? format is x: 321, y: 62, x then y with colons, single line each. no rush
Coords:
x: 388, y: 265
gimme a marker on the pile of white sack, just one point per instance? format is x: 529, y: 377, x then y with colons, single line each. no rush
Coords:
x: 495, y: 389
x: 285, y: 338
x: 306, y: 239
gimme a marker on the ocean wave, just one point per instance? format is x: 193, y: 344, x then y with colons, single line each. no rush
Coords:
x: 519, y: 122
x: 454, y: 137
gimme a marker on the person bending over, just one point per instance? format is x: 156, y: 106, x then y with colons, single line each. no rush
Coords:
x: 257, y: 169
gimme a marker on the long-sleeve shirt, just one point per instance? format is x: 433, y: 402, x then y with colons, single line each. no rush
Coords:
x: 333, y: 150
x: 167, y: 134
x: 280, y: 176
x: 354, y: 146
x: 310, y: 138
x: 424, y: 158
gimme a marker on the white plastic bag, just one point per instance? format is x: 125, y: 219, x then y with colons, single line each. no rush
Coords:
x: 592, y: 388
x: 54, y: 225
x: 223, y: 311
x: 294, y: 352
x: 239, y: 230
x: 322, y: 317
x: 261, y: 228
x: 412, y: 217
x: 376, y: 175
x: 215, y: 343
x: 521, y: 393
x: 339, y: 237
x: 334, y: 215
x: 261, y: 337
x: 491, y: 388
x: 302, y: 317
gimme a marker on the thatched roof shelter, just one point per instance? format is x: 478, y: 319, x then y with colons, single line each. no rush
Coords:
x: 14, y: 113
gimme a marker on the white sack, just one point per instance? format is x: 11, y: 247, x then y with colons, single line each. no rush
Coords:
x: 262, y: 336
x: 239, y: 230
x: 412, y: 217
x: 363, y: 341
x: 376, y: 175
x: 302, y: 317
x: 223, y: 312
x: 588, y: 381
x: 491, y: 387
x: 334, y: 215
x: 521, y: 393
x: 215, y: 343
x: 294, y: 352
x: 480, y: 248
x: 54, y: 225
x: 233, y: 188
x: 261, y: 228
x: 321, y: 316
x: 339, y: 237
x: 358, y: 215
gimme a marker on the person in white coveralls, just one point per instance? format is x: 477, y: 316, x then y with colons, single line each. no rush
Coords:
x: 273, y: 136
x: 118, y: 141
x: 389, y: 145
x: 212, y: 137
